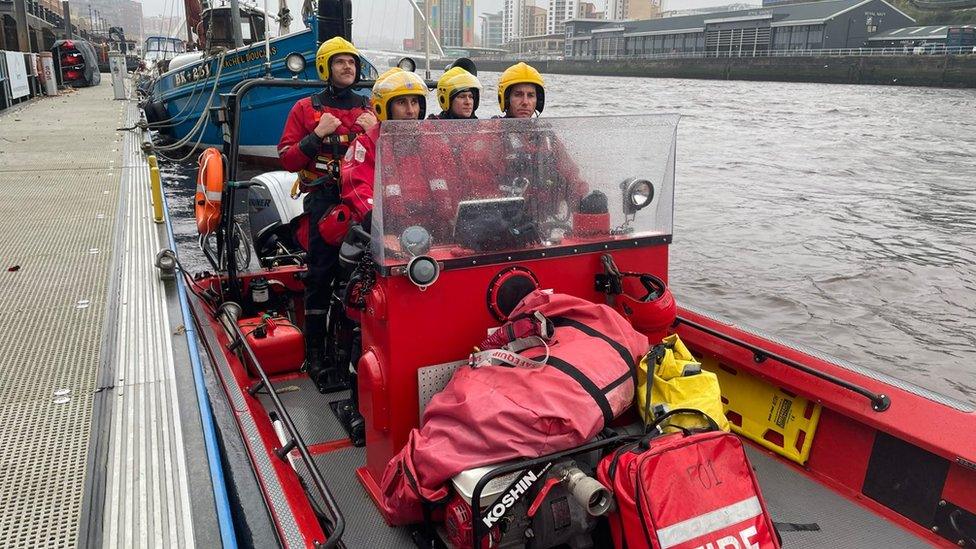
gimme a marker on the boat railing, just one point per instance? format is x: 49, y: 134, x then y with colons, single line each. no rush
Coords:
x: 879, y: 401
x: 228, y: 314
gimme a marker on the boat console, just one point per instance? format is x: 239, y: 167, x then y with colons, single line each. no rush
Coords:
x: 503, y: 195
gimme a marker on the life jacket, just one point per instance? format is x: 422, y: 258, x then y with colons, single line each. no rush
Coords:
x: 346, y: 106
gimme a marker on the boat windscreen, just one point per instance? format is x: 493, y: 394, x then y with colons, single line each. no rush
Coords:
x: 480, y: 187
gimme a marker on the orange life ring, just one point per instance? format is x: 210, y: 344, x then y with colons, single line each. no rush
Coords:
x: 210, y: 185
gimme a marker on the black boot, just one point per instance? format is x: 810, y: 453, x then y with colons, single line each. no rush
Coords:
x: 313, y: 362
x: 330, y: 379
x: 352, y: 421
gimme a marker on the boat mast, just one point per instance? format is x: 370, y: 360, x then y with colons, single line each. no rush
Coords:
x: 267, y: 43
x: 427, y: 36
x: 235, y: 23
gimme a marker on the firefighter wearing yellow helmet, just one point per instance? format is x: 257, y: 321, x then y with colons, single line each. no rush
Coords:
x: 399, y: 95
x: 317, y: 135
x: 324, y: 59
x: 458, y: 94
x: 521, y: 91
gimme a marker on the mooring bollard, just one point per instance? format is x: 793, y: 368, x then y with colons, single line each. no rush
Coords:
x: 157, y: 188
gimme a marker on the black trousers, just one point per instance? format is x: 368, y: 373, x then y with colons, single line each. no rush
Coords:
x: 322, y: 265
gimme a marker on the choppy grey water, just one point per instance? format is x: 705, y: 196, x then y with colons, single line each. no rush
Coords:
x: 840, y: 217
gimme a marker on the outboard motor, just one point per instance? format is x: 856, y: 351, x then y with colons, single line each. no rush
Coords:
x: 271, y: 210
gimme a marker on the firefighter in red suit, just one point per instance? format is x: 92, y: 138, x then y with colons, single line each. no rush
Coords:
x: 458, y: 94
x: 422, y: 181
x: 538, y: 156
x: 397, y: 95
x: 317, y: 134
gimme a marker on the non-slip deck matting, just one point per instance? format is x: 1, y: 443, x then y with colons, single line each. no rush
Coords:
x: 793, y: 498
x: 308, y: 408
x: 365, y: 528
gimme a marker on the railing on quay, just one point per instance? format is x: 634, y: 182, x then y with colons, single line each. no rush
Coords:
x: 910, y: 51
x: 35, y: 86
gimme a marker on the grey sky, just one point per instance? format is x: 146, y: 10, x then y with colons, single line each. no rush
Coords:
x: 378, y: 23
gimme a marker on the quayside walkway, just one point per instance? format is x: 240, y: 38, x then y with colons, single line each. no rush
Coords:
x: 100, y: 432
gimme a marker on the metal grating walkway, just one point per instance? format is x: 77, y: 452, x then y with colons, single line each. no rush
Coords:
x: 86, y: 340
x: 58, y: 198
x: 147, y: 495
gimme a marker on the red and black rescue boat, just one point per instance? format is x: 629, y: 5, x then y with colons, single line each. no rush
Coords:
x: 846, y: 457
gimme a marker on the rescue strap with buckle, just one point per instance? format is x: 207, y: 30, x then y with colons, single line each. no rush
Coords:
x: 510, y: 359
x: 536, y: 325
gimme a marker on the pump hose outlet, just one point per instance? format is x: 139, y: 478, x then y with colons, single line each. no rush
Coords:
x: 593, y: 496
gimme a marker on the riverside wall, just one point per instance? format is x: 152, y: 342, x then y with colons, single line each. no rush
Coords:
x: 952, y: 71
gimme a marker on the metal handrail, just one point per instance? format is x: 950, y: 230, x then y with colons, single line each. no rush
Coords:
x: 879, y: 401
x: 905, y: 51
x: 295, y: 438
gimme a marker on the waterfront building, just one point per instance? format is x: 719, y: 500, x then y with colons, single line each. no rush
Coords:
x: 42, y: 25
x: 512, y: 20
x: 491, y: 30
x: 587, y: 10
x: 928, y: 36
x: 535, y: 21
x: 545, y: 45
x: 451, y: 21
x: 558, y: 13
x: 805, y: 26
x: 633, y: 9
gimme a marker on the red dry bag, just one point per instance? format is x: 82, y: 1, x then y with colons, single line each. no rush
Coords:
x: 686, y: 490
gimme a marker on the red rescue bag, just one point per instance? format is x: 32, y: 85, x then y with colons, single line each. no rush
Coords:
x: 561, y: 395
x: 686, y: 490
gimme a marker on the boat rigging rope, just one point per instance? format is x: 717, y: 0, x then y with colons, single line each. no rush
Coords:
x: 199, y: 126
x: 171, y: 121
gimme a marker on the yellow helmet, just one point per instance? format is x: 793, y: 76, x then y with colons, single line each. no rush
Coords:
x: 455, y: 81
x: 521, y: 73
x: 329, y: 49
x: 394, y: 83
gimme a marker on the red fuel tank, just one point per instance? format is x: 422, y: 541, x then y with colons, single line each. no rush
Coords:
x: 278, y: 344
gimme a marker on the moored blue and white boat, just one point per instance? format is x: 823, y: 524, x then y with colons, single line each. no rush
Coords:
x: 180, y: 100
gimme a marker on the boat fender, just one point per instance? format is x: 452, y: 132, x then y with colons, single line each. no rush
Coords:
x: 210, y: 187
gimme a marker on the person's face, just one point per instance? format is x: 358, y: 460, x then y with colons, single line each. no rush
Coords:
x: 462, y: 106
x: 342, y: 70
x: 521, y: 101
x: 406, y: 107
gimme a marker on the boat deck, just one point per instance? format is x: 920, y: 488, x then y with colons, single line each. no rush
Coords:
x: 97, y: 399
x: 809, y: 515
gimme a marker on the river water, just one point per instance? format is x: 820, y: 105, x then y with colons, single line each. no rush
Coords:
x: 840, y: 217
